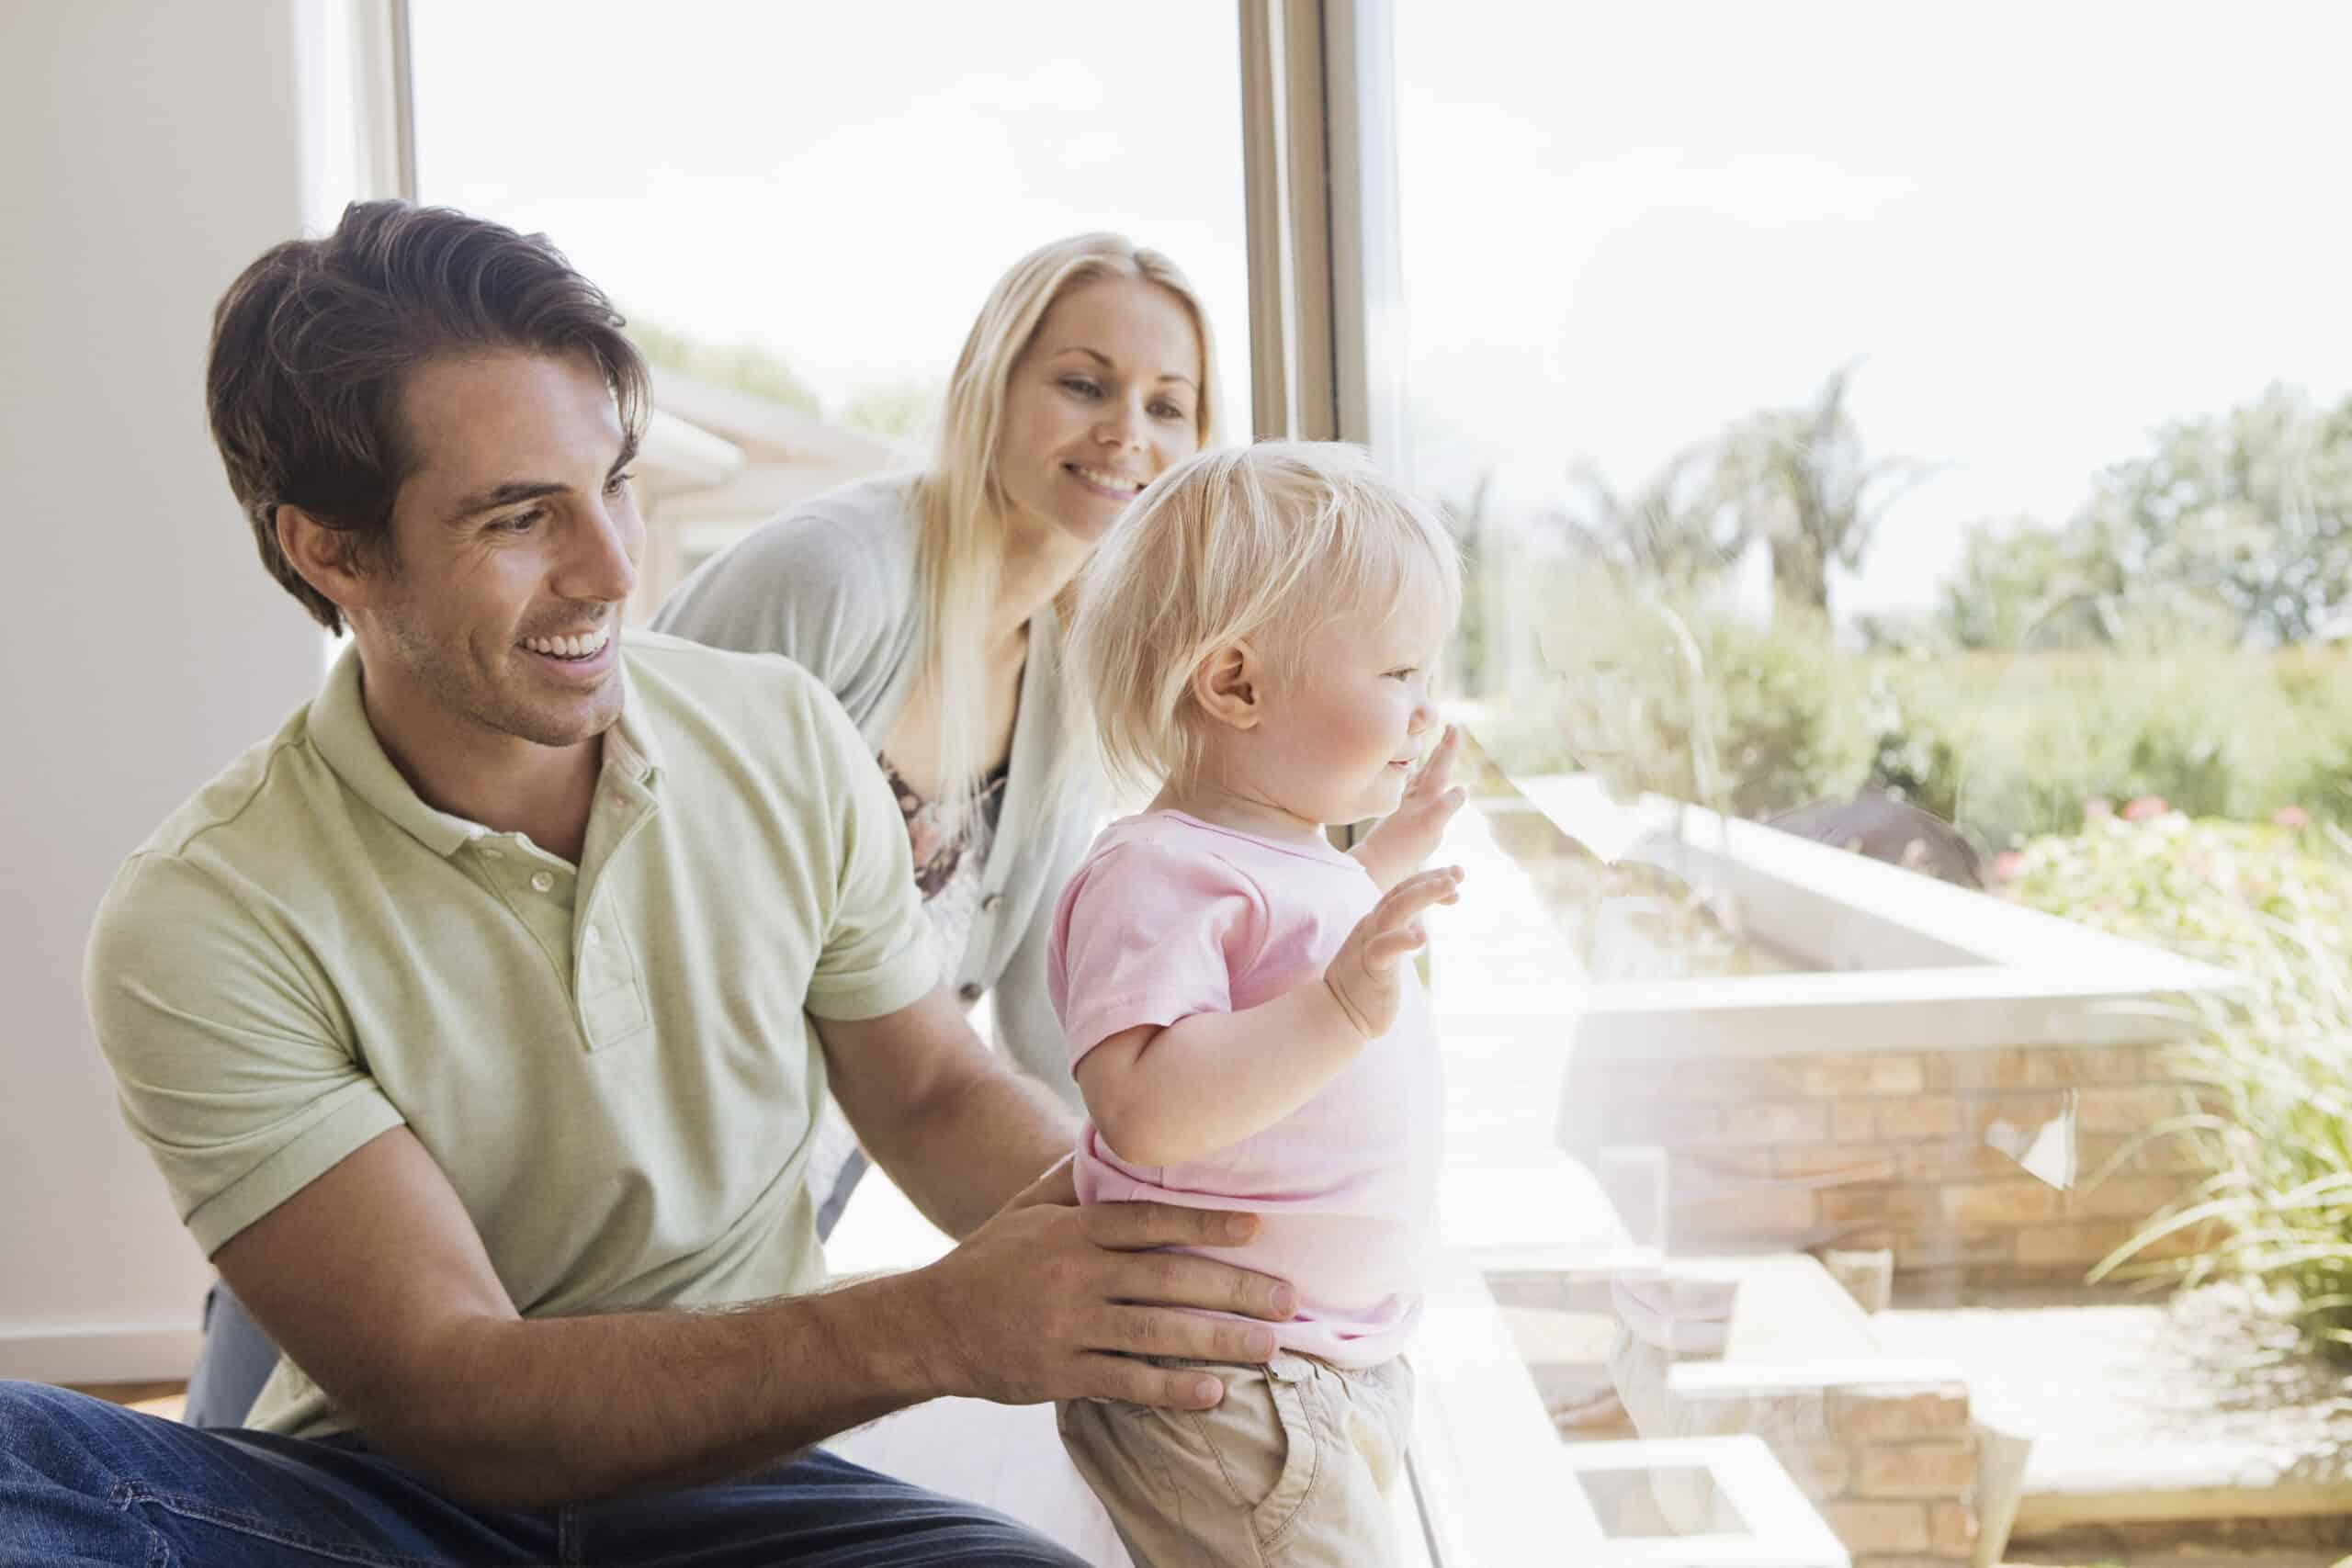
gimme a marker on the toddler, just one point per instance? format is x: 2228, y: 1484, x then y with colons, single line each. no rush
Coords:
x: 1255, y: 638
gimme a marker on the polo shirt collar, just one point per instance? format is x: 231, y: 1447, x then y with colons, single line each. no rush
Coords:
x: 339, y: 728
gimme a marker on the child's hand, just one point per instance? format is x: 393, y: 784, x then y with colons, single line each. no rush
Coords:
x: 1362, y: 974
x: 1410, y: 835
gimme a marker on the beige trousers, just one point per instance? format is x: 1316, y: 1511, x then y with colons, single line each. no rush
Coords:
x: 1291, y: 1470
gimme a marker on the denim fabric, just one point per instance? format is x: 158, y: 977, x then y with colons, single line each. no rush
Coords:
x: 84, y: 1482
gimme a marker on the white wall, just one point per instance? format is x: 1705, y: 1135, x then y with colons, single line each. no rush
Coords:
x: 147, y: 153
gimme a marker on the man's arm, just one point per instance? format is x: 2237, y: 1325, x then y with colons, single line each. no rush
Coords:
x: 959, y: 1131
x: 373, y: 1279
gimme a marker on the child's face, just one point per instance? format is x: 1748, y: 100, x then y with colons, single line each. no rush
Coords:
x: 1343, y: 734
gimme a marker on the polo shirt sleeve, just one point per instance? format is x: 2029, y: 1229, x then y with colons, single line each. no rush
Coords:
x: 227, y: 1060
x: 878, y: 955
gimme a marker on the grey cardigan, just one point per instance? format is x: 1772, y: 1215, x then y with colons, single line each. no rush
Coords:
x: 830, y: 585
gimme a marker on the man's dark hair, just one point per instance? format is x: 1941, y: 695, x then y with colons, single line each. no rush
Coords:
x: 313, y: 344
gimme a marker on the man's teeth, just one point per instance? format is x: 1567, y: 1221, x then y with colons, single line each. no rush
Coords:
x: 570, y: 647
x: 1108, y: 482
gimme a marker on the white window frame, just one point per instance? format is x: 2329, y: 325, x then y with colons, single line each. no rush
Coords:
x: 1318, y: 95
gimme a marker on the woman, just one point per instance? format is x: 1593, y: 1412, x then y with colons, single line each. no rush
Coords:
x: 929, y: 605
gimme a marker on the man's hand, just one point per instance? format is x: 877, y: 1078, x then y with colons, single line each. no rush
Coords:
x: 1362, y: 974
x: 1058, y: 1184
x: 1409, y: 835
x: 1050, y: 1301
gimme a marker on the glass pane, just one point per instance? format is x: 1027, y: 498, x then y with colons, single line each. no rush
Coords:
x: 808, y: 204
x: 1906, y: 458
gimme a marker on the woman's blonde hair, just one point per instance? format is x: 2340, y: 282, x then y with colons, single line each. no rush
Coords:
x: 1263, y: 542
x: 960, y: 500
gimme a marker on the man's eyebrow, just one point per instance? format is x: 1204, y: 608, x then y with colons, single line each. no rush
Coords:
x: 513, y: 490
x: 1105, y: 361
x: 506, y: 494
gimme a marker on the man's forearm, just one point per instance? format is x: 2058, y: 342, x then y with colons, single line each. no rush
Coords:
x: 540, y: 1412
x: 970, y: 1147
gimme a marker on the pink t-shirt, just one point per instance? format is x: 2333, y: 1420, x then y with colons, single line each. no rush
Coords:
x: 1169, y: 917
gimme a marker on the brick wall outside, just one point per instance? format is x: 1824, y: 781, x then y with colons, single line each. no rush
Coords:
x: 1888, y: 1149
x: 1891, y: 1466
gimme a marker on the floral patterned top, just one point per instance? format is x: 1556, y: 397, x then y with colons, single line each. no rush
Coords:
x: 947, y: 869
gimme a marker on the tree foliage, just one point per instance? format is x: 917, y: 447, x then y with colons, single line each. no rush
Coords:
x: 1804, y: 481
x: 1799, y: 480
x: 2252, y: 508
x: 1676, y: 529
x: 2238, y: 525
x: 745, y: 366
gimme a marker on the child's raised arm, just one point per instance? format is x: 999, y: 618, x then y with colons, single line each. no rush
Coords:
x: 1163, y: 1095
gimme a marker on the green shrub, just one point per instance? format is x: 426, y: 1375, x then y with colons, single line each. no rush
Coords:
x: 1665, y: 697
x: 1693, y: 701
x: 2274, y: 1062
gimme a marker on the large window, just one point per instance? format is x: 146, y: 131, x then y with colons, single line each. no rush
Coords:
x: 800, y: 208
x: 1927, y: 431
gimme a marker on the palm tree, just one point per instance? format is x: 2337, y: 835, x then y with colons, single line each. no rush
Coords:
x: 1804, y: 483
x: 1678, y: 531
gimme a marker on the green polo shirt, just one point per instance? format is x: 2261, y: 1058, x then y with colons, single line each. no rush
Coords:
x: 610, y: 1060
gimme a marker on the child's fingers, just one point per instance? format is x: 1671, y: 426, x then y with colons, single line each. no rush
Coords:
x: 1420, y: 890
x: 1441, y: 755
x: 1430, y: 779
x: 1406, y: 900
x: 1389, y: 946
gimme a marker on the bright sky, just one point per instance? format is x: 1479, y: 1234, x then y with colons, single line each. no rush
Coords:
x: 2042, y: 229
x: 841, y: 183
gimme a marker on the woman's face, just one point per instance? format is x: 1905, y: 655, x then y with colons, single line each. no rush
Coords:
x: 1105, y: 397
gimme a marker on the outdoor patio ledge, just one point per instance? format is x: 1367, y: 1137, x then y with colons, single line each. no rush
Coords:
x: 1898, y: 959
x: 1975, y: 1008
x: 1487, y: 1465
x: 1771, y: 1525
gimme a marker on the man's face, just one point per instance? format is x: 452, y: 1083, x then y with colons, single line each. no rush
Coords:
x: 516, y: 538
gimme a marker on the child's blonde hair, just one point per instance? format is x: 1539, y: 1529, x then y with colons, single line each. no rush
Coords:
x: 1262, y: 542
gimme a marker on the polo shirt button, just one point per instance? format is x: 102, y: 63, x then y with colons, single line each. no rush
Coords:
x: 542, y: 881
x: 592, y: 937
x: 988, y: 904
x: 969, y: 990
x: 494, y: 854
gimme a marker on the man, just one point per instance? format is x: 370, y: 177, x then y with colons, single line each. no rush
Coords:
x: 477, y: 1020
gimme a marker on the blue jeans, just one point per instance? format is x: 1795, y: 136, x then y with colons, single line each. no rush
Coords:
x: 84, y: 1482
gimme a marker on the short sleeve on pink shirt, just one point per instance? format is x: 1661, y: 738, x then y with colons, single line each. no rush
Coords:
x: 1149, y: 935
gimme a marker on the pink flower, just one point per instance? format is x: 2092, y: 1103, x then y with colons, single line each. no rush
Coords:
x: 2097, y: 809
x: 2293, y: 817
x: 2146, y: 808
x: 2008, y: 865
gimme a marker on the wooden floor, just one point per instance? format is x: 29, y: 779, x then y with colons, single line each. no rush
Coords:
x: 165, y: 1399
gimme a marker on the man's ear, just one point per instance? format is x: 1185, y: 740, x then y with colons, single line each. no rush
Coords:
x: 329, y: 559
x: 1229, y: 686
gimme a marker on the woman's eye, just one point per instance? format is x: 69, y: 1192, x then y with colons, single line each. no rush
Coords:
x: 619, y: 482
x: 1171, y: 411
x: 1079, y: 387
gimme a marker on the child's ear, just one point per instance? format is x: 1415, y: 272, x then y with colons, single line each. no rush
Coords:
x: 1228, y: 685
